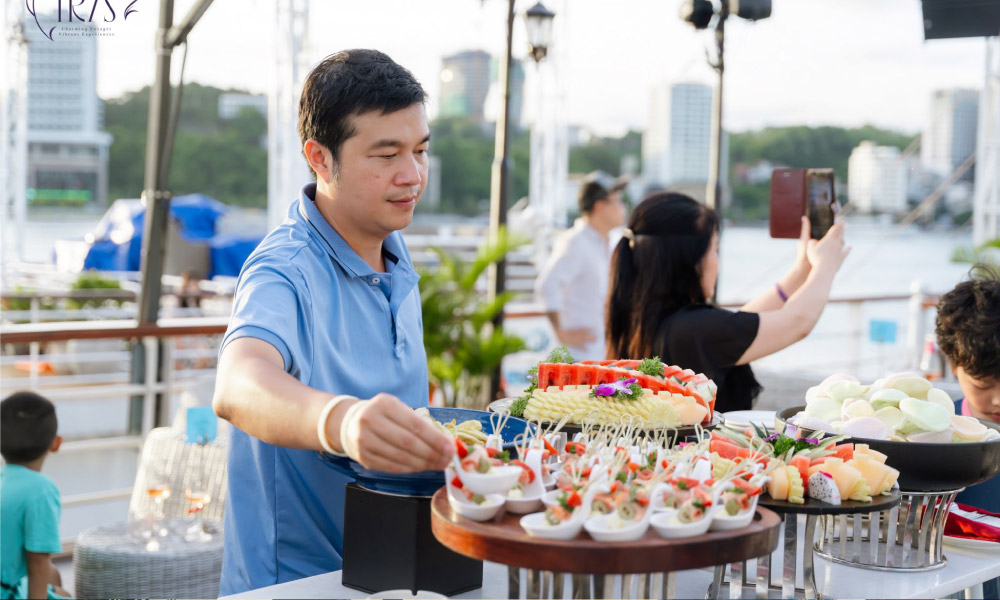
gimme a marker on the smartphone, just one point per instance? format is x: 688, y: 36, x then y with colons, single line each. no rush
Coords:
x: 802, y: 192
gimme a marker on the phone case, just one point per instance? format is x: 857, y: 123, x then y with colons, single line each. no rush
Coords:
x: 788, y: 202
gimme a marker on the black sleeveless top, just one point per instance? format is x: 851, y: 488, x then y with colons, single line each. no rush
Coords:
x: 710, y: 340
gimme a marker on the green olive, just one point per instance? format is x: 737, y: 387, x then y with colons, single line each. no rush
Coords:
x: 732, y: 507
x: 478, y: 498
x: 600, y: 507
x: 484, y: 465
x: 670, y: 502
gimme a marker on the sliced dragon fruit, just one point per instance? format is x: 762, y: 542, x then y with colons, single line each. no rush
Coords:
x: 823, y: 488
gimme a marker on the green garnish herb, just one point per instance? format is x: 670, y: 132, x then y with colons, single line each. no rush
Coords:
x: 651, y: 366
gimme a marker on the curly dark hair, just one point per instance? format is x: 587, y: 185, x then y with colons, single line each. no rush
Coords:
x: 968, y: 327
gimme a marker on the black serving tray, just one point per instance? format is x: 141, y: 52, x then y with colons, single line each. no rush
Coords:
x: 930, y: 467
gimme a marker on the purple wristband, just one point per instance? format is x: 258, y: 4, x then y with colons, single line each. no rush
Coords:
x: 781, y: 292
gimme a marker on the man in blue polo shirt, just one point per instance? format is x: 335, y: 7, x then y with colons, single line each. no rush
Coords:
x: 327, y: 312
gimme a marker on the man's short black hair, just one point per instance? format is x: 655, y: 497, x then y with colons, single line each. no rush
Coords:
x: 968, y: 327
x: 27, y: 427
x: 350, y: 83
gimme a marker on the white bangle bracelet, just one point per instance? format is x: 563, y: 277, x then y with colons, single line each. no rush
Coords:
x: 324, y: 416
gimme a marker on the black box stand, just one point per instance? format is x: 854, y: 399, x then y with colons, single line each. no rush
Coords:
x: 388, y: 545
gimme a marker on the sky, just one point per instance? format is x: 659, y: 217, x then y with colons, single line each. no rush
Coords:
x: 839, y: 62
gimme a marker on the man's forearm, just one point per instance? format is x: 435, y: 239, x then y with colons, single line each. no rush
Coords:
x: 264, y: 401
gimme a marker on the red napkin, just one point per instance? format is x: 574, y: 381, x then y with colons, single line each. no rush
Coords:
x: 959, y: 526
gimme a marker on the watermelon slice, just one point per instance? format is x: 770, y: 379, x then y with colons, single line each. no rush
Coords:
x: 586, y: 375
x: 546, y: 375
x: 802, y: 464
x: 844, y: 451
x: 566, y: 375
x: 606, y: 375
x: 726, y: 449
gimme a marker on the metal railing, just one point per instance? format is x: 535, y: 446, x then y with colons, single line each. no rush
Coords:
x: 160, y: 342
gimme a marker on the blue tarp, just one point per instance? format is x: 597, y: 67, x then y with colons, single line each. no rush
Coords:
x: 117, y: 244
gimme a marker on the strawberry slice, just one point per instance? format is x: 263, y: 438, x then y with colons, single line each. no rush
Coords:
x: 575, y: 448
x: 456, y: 482
x: 574, y: 499
x: 461, y: 448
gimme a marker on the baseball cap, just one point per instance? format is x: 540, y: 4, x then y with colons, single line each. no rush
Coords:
x: 597, y: 185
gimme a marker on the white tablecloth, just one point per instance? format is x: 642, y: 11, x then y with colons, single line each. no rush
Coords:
x: 965, y: 568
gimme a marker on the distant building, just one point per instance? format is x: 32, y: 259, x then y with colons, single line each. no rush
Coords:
x: 950, y: 136
x: 465, y: 82
x: 67, y: 147
x: 876, y: 178
x: 468, y: 86
x: 676, y: 145
x: 231, y: 104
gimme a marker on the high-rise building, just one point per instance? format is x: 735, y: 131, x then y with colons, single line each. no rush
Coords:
x: 465, y: 82
x: 466, y: 79
x: 876, y: 178
x: 950, y: 136
x: 67, y: 147
x: 677, y: 142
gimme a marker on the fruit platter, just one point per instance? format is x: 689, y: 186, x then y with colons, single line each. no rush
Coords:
x: 908, y: 420
x: 647, y: 392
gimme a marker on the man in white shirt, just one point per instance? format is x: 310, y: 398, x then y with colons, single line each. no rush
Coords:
x: 573, y: 284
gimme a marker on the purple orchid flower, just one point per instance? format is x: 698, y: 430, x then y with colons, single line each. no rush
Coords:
x: 610, y: 389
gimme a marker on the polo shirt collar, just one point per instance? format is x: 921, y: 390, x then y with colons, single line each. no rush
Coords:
x: 403, y: 279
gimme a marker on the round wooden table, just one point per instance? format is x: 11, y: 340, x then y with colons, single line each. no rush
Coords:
x: 648, y: 565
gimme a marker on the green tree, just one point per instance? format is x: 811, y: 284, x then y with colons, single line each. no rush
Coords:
x: 222, y: 158
x: 798, y: 147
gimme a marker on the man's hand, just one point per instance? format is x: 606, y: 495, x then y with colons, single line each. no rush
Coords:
x: 386, y: 435
x: 576, y: 338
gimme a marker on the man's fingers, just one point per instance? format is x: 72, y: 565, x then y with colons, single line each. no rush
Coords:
x: 399, y: 451
x: 804, y: 230
x: 396, y: 425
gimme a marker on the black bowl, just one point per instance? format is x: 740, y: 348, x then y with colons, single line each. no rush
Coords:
x: 931, y: 467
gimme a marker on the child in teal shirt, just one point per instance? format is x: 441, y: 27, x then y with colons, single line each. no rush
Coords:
x: 29, y: 501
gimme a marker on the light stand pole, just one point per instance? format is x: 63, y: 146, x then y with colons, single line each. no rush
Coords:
x: 160, y: 129
x: 539, y: 24
x: 713, y: 195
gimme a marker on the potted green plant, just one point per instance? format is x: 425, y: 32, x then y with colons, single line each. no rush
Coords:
x: 463, y: 347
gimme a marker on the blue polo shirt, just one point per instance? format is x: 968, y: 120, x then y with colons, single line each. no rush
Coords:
x: 342, y: 328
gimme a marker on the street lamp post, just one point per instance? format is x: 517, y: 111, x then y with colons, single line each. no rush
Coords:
x: 539, y: 25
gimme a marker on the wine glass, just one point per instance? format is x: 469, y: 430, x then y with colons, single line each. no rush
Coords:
x: 199, y: 498
x: 158, y: 491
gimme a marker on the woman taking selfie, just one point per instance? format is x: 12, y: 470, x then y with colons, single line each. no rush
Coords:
x: 663, y: 272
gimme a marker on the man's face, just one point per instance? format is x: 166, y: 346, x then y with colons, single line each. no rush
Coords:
x: 382, y: 170
x: 983, y: 395
x: 611, y: 210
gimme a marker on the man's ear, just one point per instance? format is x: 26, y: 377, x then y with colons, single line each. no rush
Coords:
x: 320, y: 159
x: 56, y: 442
